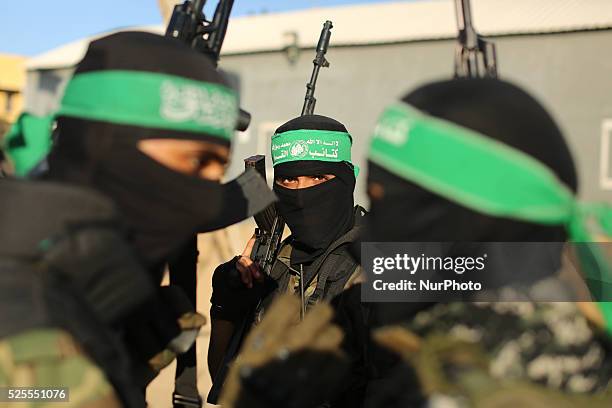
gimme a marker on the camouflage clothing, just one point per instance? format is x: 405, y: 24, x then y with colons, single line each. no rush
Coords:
x: 51, y: 358
x: 551, y: 344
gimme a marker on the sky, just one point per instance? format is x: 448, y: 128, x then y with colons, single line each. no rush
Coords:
x: 32, y: 27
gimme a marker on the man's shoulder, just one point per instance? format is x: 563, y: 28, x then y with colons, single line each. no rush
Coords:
x: 52, y: 358
x: 47, y: 193
x: 44, y: 209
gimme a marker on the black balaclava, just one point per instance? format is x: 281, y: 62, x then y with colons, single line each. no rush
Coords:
x: 162, y: 208
x: 409, y: 213
x: 318, y: 215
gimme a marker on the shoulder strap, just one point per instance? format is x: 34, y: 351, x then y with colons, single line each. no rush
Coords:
x: 183, y: 273
x: 280, y: 273
x: 339, y: 262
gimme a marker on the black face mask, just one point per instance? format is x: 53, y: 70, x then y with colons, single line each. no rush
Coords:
x: 317, y: 215
x: 165, y: 212
x: 409, y: 213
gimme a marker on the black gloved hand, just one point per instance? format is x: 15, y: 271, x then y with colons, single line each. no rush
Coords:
x: 231, y: 299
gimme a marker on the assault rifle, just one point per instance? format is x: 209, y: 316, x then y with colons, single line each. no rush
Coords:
x: 474, y: 57
x: 270, y: 226
x: 268, y: 237
x: 320, y: 61
x: 189, y: 25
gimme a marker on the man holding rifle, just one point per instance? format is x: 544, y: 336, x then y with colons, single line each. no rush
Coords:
x: 314, y: 179
x: 314, y: 184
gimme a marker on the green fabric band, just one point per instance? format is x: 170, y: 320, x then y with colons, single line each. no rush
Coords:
x: 305, y: 144
x: 478, y: 172
x: 152, y: 100
x: 606, y: 311
x: 28, y: 142
x: 145, y: 99
x: 489, y: 177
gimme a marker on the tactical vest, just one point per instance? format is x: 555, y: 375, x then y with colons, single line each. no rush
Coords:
x: 326, y: 277
x: 63, y: 264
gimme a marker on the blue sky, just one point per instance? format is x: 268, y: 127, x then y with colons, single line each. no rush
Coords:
x: 32, y: 27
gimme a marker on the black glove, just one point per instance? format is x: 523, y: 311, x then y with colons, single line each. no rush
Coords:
x: 231, y: 299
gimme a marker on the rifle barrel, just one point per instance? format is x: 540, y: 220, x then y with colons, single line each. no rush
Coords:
x: 198, y: 6
x: 464, y: 14
x: 310, y: 100
x: 320, y: 61
x: 325, y: 38
x: 220, y: 22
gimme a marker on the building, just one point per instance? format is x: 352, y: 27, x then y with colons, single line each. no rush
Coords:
x: 557, y: 49
x: 12, y: 82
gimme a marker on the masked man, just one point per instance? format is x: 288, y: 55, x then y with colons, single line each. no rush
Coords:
x: 314, y: 180
x: 142, y: 139
x: 479, y: 162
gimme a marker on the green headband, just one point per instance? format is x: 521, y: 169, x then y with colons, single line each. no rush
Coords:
x: 152, y: 100
x: 477, y: 172
x: 28, y: 142
x: 136, y: 98
x: 320, y: 145
x: 486, y: 176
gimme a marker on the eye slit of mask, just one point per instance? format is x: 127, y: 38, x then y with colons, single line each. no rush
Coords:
x: 301, y: 182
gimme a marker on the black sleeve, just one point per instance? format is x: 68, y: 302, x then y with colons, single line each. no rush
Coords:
x: 374, y: 372
x: 351, y: 316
